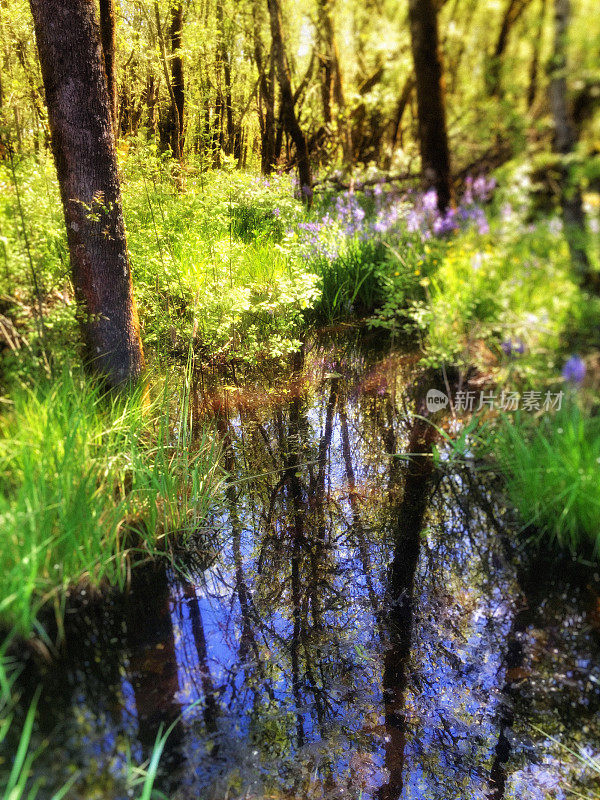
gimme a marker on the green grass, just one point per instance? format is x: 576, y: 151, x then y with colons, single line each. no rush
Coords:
x: 351, y: 284
x: 86, y: 482
x: 552, y: 471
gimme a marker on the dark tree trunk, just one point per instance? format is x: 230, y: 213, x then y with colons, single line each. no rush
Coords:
x: 535, y: 59
x: 331, y: 77
x: 175, y: 35
x: 565, y: 139
x: 108, y: 35
x: 326, y: 58
x: 174, y: 125
x: 513, y: 11
x: 288, y: 112
x: 433, y: 139
x: 150, y: 98
x: 225, y: 62
x: 266, y: 98
x: 405, y: 95
x: 84, y: 151
x: 217, y: 127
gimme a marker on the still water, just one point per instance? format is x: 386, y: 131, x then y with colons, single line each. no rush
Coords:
x: 352, y: 623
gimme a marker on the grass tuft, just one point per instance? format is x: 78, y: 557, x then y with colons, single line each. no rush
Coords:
x: 552, y: 471
x: 87, y: 481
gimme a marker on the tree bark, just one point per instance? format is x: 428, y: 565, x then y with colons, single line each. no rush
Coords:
x: 84, y: 152
x: 288, y: 112
x: 177, y: 82
x: 565, y: 139
x: 433, y: 139
x: 108, y: 35
x: 174, y: 124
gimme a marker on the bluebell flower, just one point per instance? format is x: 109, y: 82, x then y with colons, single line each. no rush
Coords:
x: 574, y: 370
x: 483, y: 188
x: 446, y: 224
x: 430, y: 200
x: 513, y: 348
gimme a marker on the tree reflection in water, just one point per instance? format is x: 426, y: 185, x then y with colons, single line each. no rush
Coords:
x: 362, y: 631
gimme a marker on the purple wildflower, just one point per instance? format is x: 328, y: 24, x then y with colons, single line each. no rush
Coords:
x: 430, y: 201
x: 446, y: 224
x: 574, y: 370
x: 483, y: 188
x: 512, y: 348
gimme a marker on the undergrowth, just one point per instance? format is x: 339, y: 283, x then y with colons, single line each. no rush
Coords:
x: 551, y: 466
x: 89, y: 481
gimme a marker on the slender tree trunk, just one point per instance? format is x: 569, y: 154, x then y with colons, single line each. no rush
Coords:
x: 433, y: 139
x: 36, y: 100
x: 108, y: 35
x: 565, y: 139
x: 84, y: 151
x: 513, y: 11
x: 150, y: 98
x: 405, y: 94
x: 331, y: 77
x: 177, y: 82
x: 326, y: 58
x: 225, y: 63
x: 535, y: 60
x: 266, y: 98
x: 174, y: 123
x: 288, y: 112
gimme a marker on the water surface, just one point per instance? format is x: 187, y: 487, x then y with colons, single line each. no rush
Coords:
x: 362, y: 625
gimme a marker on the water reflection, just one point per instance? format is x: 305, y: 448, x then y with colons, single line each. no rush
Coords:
x: 365, y: 632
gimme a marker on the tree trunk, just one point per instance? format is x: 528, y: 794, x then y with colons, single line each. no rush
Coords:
x: 174, y: 125
x: 266, y: 98
x: 535, y: 60
x: 288, y: 113
x: 330, y: 72
x: 405, y: 94
x: 108, y: 35
x: 326, y: 57
x: 224, y: 60
x: 175, y: 35
x: 84, y: 151
x: 433, y: 139
x: 494, y: 78
x: 565, y: 139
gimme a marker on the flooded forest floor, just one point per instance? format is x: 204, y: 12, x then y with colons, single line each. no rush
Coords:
x: 355, y: 621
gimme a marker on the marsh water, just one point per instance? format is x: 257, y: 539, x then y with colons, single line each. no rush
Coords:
x: 351, y: 623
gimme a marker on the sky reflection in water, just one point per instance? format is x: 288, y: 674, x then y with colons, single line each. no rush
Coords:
x: 282, y: 641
